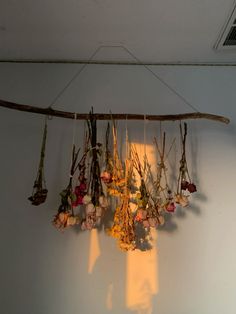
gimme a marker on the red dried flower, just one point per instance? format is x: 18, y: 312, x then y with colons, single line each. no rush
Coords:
x: 78, y: 201
x: 184, y: 185
x: 80, y: 189
x: 171, y: 207
x: 192, y: 187
x: 83, y: 186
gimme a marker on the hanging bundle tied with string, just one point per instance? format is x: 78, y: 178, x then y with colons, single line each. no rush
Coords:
x: 144, y: 197
x: 39, y: 193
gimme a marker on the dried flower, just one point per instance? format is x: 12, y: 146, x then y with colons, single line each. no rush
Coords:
x: 153, y: 222
x: 95, y: 201
x: 63, y: 220
x: 161, y: 220
x: 90, y: 208
x: 141, y: 215
x: 83, y: 225
x: 72, y: 220
x: 103, y: 202
x: 170, y: 207
x: 181, y: 200
x: 192, y: 187
x: 146, y: 223
x: 98, y: 211
x: 88, y: 224
x: 87, y: 199
x: 68, y: 199
x: 106, y: 177
x: 123, y: 226
x: 38, y: 197
x: 184, y: 185
x: 184, y: 177
x: 40, y: 191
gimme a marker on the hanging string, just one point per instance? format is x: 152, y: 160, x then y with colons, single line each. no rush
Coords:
x: 40, y: 176
x: 137, y: 60
x: 126, y: 140
x: 74, y: 77
x: 85, y: 134
x: 144, y: 136
x: 160, y: 79
x: 85, y: 144
x: 46, y: 126
x: 161, y: 133
x: 73, y: 141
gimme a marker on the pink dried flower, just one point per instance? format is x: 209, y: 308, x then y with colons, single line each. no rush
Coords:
x: 146, y: 223
x: 152, y: 221
x: 83, y: 225
x: 106, y: 177
x: 170, y: 207
x: 77, y: 190
x: 141, y: 215
x: 138, y: 217
x: 83, y: 186
x: 79, y: 201
x: 80, y: 189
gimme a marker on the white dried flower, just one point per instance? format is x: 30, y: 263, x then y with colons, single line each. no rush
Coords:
x: 98, y: 211
x: 103, y: 202
x: 86, y: 199
x: 90, y: 208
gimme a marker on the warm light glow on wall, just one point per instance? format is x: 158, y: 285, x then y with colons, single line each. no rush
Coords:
x: 142, y: 275
x: 94, y: 250
x: 142, y: 266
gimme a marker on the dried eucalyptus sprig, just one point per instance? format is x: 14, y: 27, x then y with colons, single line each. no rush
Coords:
x: 40, y: 191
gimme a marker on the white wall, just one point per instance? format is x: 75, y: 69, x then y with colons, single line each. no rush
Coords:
x: 191, y: 269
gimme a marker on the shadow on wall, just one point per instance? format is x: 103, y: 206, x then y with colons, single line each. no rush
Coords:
x: 128, y: 282
x: 132, y: 280
x: 140, y: 268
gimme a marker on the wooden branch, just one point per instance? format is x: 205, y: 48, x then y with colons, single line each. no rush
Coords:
x: 117, y: 116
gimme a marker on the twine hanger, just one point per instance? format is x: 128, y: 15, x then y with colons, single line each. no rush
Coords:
x: 101, y: 116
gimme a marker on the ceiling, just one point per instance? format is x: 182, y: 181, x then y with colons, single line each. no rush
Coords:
x: 155, y: 31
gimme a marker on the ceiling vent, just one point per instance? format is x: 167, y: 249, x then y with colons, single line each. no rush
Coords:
x: 227, y: 38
